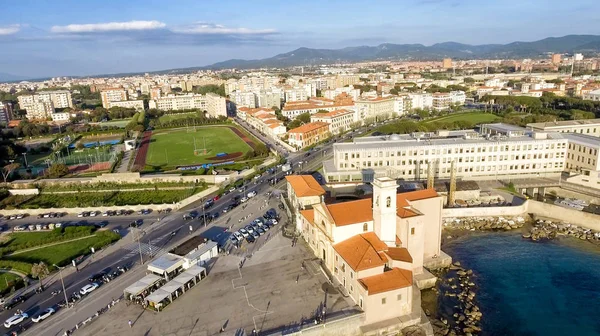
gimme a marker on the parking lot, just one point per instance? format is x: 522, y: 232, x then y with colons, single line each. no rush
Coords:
x: 271, y: 291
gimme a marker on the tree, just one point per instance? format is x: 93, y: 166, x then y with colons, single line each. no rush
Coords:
x: 9, y: 169
x: 57, y: 170
x: 40, y: 271
x: 304, y: 117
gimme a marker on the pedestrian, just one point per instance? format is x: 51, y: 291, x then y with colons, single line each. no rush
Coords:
x: 297, y: 277
x: 130, y: 324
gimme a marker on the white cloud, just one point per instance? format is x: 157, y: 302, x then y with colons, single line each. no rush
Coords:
x: 10, y: 29
x: 216, y: 29
x: 108, y: 27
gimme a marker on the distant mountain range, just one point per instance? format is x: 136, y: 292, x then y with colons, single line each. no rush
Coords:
x: 587, y: 44
x: 6, y: 77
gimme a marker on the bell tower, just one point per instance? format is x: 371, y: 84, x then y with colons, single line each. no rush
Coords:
x: 384, y: 209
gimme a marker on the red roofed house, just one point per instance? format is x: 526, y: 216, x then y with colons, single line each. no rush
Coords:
x: 375, y: 248
x: 308, y: 134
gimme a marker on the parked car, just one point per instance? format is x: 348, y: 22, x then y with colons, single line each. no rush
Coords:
x: 43, y: 315
x: 260, y: 231
x: 250, y: 239
x: 274, y: 221
x: 244, y: 199
x: 136, y: 223
x: 238, y: 236
x: 251, y: 194
x: 249, y: 228
x: 255, y: 234
x: 93, y: 213
x: 209, y: 203
x: 89, y: 288
x: 105, y: 214
x: 244, y: 233
x: 15, y: 320
x: 21, y: 216
x: 271, y: 213
x: 216, y: 198
x: 215, y: 215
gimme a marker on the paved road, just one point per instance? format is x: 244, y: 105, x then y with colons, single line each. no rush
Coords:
x: 159, y: 237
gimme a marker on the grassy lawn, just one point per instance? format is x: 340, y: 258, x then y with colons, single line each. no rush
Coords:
x: 176, y: 147
x: 175, y: 116
x: 7, y: 278
x: 24, y: 240
x: 115, y: 186
x: 62, y: 254
x: 474, y: 117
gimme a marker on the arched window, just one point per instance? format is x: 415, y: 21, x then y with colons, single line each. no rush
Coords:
x: 365, y: 227
x: 388, y: 201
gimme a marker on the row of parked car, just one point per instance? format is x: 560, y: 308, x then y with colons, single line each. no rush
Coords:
x: 252, y: 231
x: 38, y: 227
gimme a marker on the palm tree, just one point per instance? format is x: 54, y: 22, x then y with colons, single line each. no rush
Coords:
x: 40, y: 271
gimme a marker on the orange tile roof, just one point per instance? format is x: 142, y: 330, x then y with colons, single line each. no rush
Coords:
x: 276, y: 125
x: 332, y: 114
x: 351, y: 212
x: 406, y: 213
x: 363, y: 251
x: 309, y: 215
x: 398, y: 241
x: 400, y: 254
x: 310, y: 127
x: 393, y: 279
x: 305, y: 185
x: 419, y: 194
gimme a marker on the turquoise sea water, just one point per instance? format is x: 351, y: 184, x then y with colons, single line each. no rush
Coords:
x: 533, y: 288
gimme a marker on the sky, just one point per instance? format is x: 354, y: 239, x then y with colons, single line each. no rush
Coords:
x: 48, y: 38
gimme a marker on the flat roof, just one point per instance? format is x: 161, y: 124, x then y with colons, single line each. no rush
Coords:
x: 158, y: 295
x: 504, y: 127
x: 165, y: 263
x: 189, y: 245
x: 142, y: 284
x: 582, y: 139
x: 202, y: 249
x: 379, y: 142
x: 565, y: 123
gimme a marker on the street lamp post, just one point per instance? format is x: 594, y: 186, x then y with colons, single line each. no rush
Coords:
x: 139, y: 239
x: 63, y: 284
x: 25, y: 157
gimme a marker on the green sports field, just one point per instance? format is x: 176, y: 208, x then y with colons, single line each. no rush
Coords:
x: 171, y: 148
x: 171, y: 117
x: 474, y: 117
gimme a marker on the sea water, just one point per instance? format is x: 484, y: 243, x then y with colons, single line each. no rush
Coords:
x: 533, y: 288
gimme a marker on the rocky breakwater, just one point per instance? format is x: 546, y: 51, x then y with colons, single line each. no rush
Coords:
x: 546, y: 229
x: 460, y: 314
x: 485, y: 223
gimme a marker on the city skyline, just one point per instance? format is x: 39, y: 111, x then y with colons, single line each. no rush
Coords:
x: 63, y: 39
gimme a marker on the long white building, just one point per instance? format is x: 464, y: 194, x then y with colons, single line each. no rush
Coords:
x: 497, y: 151
x: 213, y: 104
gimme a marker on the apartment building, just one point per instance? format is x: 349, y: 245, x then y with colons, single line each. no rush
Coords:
x: 443, y: 101
x: 212, y: 103
x: 423, y: 101
x: 346, y: 80
x: 243, y: 99
x: 39, y: 110
x: 42, y: 104
x: 264, y: 120
x: 584, y: 126
x: 269, y: 99
x: 375, y: 247
x: 136, y: 104
x: 61, y: 117
x: 373, y: 107
x: 308, y: 134
x: 293, y: 109
x: 592, y: 95
x: 339, y: 120
x: 299, y: 93
x: 112, y: 95
x: 349, y: 90
x: 498, y: 151
x: 6, y: 112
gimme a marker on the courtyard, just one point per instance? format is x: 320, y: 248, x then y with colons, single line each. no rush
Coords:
x: 271, y: 293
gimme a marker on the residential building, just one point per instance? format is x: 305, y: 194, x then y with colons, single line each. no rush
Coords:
x: 497, y: 151
x: 212, y: 103
x: 6, y: 113
x: 41, y: 105
x: 300, y: 93
x: 592, y: 95
x: 375, y: 248
x: 584, y: 126
x: 39, y: 110
x: 136, y: 104
x: 423, y: 101
x: 556, y: 58
x: 349, y: 90
x: 375, y: 107
x: 339, y: 120
x: 112, y: 95
x: 345, y: 80
x: 269, y: 99
x: 243, y: 99
x: 61, y: 117
x: 264, y: 120
x: 308, y: 134
x: 293, y: 109
x: 447, y: 63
